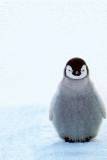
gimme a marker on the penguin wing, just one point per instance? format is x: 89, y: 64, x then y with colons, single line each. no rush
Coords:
x: 53, y: 104
x: 50, y: 115
x: 101, y: 106
x: 51, y: 108
x: 103, y: 111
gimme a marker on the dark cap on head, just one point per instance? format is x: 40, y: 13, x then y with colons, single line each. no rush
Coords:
x: 76, y: 64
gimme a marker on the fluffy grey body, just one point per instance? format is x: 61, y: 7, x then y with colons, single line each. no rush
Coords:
x: 76, y: 110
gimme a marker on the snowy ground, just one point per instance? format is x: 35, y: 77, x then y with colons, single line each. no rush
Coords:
x: 27, y: 134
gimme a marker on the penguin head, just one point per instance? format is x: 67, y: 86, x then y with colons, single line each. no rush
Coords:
x: 76, y: 68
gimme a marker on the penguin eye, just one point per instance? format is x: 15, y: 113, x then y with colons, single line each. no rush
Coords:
x: 68, y: 68
x: 83, y: 69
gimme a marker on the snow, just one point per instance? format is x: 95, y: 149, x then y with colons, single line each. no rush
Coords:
x: 37, y: 38
x: 27, y: 133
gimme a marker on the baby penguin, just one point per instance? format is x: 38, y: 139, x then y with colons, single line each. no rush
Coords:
x: 76, y: 110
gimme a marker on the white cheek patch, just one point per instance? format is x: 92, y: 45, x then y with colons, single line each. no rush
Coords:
x: 84, y: 72
x: 81, y: 76
x: 68, y: 71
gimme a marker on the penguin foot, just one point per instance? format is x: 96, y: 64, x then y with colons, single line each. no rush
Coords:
x: 74, y: 140
x: 69, y: 139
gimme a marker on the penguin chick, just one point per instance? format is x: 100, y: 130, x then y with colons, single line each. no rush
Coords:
x: 76, y: 110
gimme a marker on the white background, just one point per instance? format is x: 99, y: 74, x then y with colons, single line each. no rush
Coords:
x: 37, y: 38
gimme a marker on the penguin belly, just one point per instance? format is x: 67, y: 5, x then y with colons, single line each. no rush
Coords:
x: 76, y: 115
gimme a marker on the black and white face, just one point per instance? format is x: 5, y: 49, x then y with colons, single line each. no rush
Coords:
x: 76, y: 69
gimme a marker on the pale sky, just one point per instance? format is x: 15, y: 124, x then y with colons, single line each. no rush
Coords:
x: 37, y: 38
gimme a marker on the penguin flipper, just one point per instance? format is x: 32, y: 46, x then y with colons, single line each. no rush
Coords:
x: 101, y: 106
x: 51, y: 107
x: 103, y: 111
x: 50, y: 115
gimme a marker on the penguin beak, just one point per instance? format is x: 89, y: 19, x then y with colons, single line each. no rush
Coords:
x: 76, y: 73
